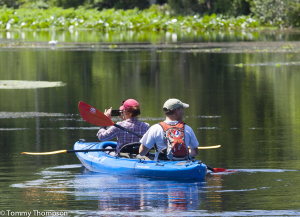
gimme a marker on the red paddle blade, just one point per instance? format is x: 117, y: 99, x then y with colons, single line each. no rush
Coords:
x: 93, y: 115
x: 219, y: 170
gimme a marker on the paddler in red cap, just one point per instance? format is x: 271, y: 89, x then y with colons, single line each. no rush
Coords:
x: 129, y: 111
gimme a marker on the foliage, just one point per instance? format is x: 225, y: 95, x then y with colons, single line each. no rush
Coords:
x: 276, y: 12
x: 117, y: 4
x: 99, y: 4
x: 10, y: 3
x: 295, y: 16
x: 152, y: 19
x: 40, y: 4
x: 225, y: 7
x: 67, y: 3
x: 283, y: 13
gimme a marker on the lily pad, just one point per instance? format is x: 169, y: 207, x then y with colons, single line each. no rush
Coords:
x: 17, y: 84
x: 28, y: 114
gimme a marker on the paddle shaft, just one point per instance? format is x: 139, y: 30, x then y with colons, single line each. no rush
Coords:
x: 89, y: 150
x: 210, y: 168
x: 67, y: 151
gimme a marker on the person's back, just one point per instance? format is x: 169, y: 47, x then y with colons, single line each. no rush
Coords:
x: 157, y: 134
x: 129, y: 111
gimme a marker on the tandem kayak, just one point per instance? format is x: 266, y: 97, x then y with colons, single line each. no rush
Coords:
x: 105, y: 162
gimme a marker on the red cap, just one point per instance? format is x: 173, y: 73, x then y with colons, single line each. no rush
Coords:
x: 129, y: 103
x: 121, y: 108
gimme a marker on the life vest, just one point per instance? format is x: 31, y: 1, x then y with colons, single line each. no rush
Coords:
x: 176, y: 147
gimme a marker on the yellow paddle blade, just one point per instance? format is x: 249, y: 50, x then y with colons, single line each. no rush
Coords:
x: 45, y: 153
x: 209, y: 147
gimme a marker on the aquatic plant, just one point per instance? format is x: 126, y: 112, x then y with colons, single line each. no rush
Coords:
x: 19, y: 84
x: 150, y: 19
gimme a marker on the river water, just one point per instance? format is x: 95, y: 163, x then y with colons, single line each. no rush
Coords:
x: 247, y: 101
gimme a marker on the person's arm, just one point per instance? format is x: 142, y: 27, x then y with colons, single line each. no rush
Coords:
x: 148, y: 140
x: 193, y: 142
x: 143, y: 150
x: 193, y: 152
x: 105, y: 135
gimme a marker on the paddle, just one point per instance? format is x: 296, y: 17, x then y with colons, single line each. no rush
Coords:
x: 216, y: 170
x: 209, y: 147
x: 66, y: 151
x: 94, y: 116
x: 88, y: 150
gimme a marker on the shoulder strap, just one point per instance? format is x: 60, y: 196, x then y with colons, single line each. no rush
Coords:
x: 166, y: 126
x: 180, y: 124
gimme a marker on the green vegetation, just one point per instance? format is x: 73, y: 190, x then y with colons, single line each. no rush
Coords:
x: 282, y: 13
x: 150, y: 19
x: 137, y: 14
x: 177, y: 15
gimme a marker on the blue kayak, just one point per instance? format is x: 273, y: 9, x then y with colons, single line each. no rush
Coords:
x: 107, y: 162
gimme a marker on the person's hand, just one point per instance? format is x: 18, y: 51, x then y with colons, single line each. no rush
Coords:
x: 107, y: 112
x: 122, y: 116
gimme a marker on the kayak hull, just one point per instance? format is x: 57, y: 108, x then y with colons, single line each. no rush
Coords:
x: 105, y: 163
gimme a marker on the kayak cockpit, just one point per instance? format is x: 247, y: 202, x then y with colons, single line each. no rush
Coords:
x: 129, y: 151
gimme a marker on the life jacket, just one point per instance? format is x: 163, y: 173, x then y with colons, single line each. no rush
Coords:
x: 176, y: 147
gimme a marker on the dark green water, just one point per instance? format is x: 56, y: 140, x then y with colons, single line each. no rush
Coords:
x: 247, y: 102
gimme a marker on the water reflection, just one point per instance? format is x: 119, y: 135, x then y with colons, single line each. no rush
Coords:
x: 133, y: 193
x: 154, y: 37
x: 113, y: 193
x: 66, y: 185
